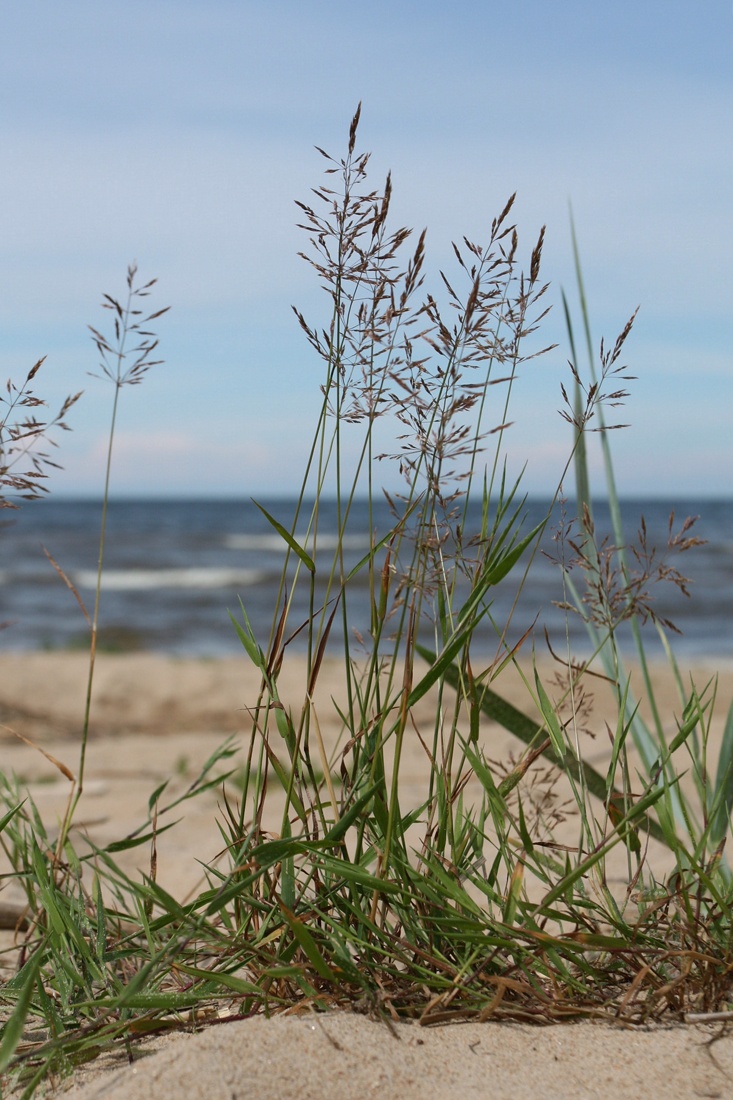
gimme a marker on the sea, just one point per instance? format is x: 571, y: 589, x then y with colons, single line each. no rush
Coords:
x: 177, y: 571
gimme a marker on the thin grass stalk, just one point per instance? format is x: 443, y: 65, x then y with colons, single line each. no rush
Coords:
x: 126, y: 324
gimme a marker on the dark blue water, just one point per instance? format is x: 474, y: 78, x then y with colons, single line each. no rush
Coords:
x: 175, y: 569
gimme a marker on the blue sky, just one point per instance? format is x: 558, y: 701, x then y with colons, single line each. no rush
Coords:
x: 179, y: 134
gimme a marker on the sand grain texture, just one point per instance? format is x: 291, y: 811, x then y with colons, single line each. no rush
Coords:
x: 341, y: 1056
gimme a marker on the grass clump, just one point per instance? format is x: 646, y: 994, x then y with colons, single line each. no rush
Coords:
x: 460, y: 901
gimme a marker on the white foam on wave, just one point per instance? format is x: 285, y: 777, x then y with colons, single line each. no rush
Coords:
x: 131, y: 580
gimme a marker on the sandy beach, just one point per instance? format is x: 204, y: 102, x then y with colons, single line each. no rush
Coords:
x: 158, y: 718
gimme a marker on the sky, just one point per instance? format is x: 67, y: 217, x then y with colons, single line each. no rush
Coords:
x: 178, y: 135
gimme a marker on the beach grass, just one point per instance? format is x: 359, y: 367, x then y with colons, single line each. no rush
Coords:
x: 459, y: 903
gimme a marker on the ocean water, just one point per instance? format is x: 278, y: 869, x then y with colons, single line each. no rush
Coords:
x: 175, y: 569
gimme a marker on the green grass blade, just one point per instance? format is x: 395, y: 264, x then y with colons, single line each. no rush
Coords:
x: 723, y: 792
x: 289, y: 539
x: 551, y: 719
x: 248, y: 640
x: 13, y: 1029
x: 306, y: 941
x: 8, y: 817
x: 500, y: 568
x: 218, y: 977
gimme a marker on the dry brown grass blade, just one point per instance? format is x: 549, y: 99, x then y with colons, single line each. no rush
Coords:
x: 513, y: 777
x: 69, y: 584
x: 66, y: 772
x: 277, y: 650
x: 322, y: 648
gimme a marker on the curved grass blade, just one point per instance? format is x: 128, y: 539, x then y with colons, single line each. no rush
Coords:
x: 8, y: 817
x: 289, y: 539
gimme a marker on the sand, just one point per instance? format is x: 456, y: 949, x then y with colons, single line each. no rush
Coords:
x: 341, y: 1056
x: 158, y: 718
